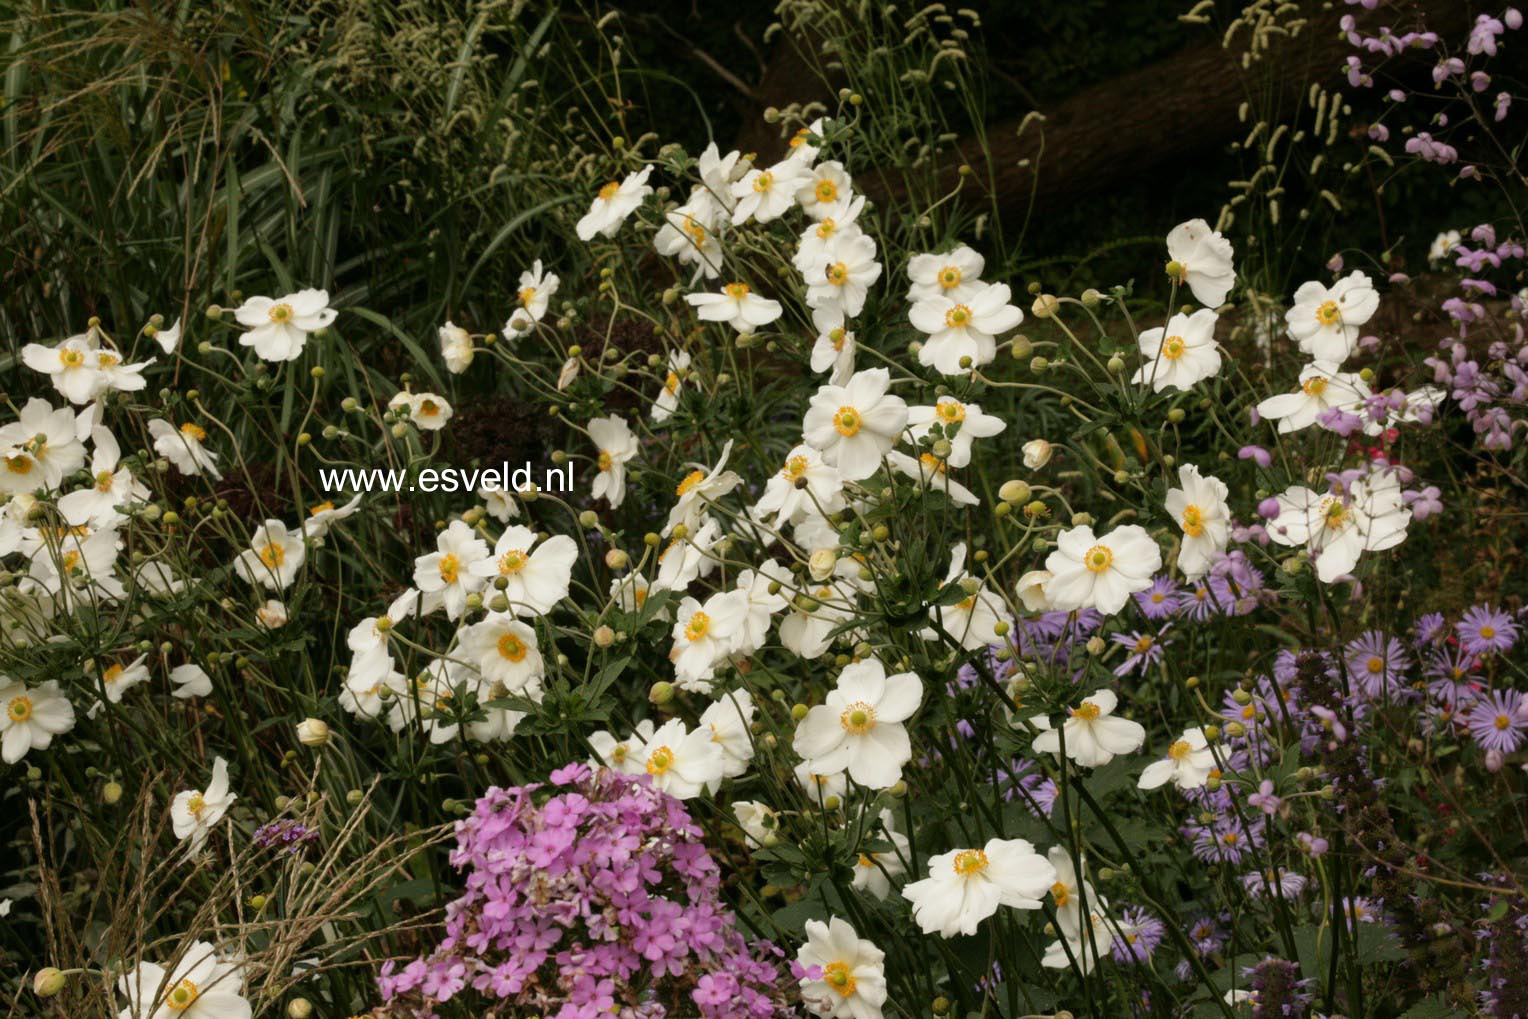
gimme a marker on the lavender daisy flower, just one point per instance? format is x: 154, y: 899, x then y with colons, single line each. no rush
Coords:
x: 1199, y: 602
x: 1486, y: 629
x: 1496, y: 721
x: 1450, y: 676
x: 1160, y: 600
x: 1145, y: 651
x: 1262, y: 884
x: 1359, y: 910
x: 1137, y: 936
x: 1428, y: 629
x: 1207, y: 936
x: 1378, y: 662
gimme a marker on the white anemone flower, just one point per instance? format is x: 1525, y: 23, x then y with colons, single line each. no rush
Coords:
x: 1206, y: 261
x: 33, y: 715
x: 1089, y: 571
x: 48, y: 439
x: 200, y: 986
x: 505, y: 652
x: 962, y: 423
x: 682, y: 763
x: 1338, y: 527
x: 844, y: 274
x: 185, y: 447
x: 855, y: 424
x: 973, y: 620
x: 614, y: 202
x: 1325, y: 321
x: 1322, y: 387
x: 737, y: 305
x: 1181, y: 354
x: 1094, y: 737
x: 859, y: 727
x: 807, y: 484
x: 932, y: 474
x: 955, y: 274
x: 850, y: 980
x: 113, y: 485
x: 1199, y: 507
x: 668, y: 397
x: 613, y: 437
x: 279, y: 327
x: 445, y: 577
x: 966, y: 886
x: 698, y: 489
x: 705, y: 634
x: 536, y: 575
x: 194, y: 813
x: 456, y: 347
x: 766, y: 195
x: 758, y: 821
x: 874, y: 871
x: 823, y: 188
x: 1188, y: 763
x: 532, y: 299
x: 689, y: 235
x: 728, y: 719
x: 273, y: 558
x: 835, y: 345
x: 964, y: 329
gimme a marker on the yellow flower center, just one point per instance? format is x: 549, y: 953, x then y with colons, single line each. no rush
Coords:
x: 527, y: 295
x: 950, y: 276
x: 698, y: 626
x: 836, y: 336
x: 272, y: 555
x: 71, y: 357
x: 512, y: 648
x: 281, y: 313
x: 513, y: 561
x: 671, y: 383
x: 1087, y: 711
x: 196, y: 804
x: 112, y: 674
x: 1098, y: 558
x: 1173, y: 347
x: 1193, y: 521
x: 1487, y: 632
x: 1328, y: 314
x: 191, y: 431
x: 19, y: 464
x: 826, y: 227
x: 1061, y: 894
x: 838, y: 274
x: 660, y: 760
x: 609, y: 190
x: 763, y: 182
x: 826, y: 191
x: 322, y: 507
x: 106, y: 359
x: 969, y: 862
x: 736, y: 291
x: 1314, y: 386
x: 1143, y: 645
x: 836, y: 974
x: 1179, y: 750
x: 19, y: 709
x: 932, y: 464
x: 958, y: 317
x: 605, y: 460
x: 1375, y: 665
x: 857, y: 719
x: 690, y: 481
x: 1334, y: 513
x: 950, y: 411
x: 1250, y: 711
x: 695, y: 229
x: 795, y: 467
x: 847, y: 421
x: 428, y: 408
x: 1502, y: 721
x: 182, y: 996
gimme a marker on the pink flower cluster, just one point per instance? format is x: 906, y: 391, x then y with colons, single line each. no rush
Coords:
x: 590, y: 896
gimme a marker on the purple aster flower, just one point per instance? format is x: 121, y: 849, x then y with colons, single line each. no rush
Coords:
x: 1378, y: 663
x: 1428, y: 629
x: 1496, y: 721
x: 1137, y: 936
x: 1145, y: 651
x: 1451, y: 676
x: 1266, y: 884
x: 1160, y: 600
x: 1485, y: 629
x: 1199, y: 602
